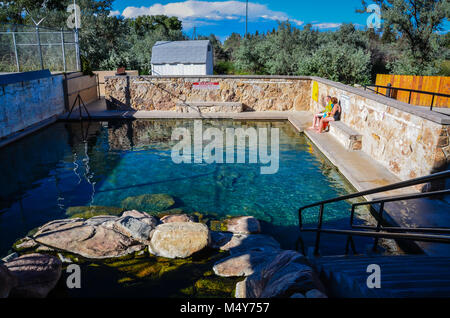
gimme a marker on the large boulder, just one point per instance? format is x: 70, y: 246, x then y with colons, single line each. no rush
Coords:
x: 287, y: 274
x: 36, y: 275
x: 7, y: 281
x: 179, y: 240
x: 151, y: 203
x: 243, y: 225
x: 90, y: 241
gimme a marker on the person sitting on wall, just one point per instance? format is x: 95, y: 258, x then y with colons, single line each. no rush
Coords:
x: 334, y: 115
x: 323, y: 114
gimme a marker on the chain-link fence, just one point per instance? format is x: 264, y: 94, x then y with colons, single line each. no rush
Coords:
x: 30, y: 48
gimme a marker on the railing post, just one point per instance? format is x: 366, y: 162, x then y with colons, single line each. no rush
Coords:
x: 352, y: 215
x: 319, y: 230
x: 410, y: 95
x: 380, y: 217
x: 432, y: 102
x: 388, y: 90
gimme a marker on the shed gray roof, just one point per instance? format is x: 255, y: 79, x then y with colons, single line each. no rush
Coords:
x: 180, y: 52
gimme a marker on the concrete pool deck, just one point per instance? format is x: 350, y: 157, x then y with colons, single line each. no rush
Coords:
x: 362, y: 171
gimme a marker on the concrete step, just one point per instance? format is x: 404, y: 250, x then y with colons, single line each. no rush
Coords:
x: 350, y: 139
x: 401, y: 276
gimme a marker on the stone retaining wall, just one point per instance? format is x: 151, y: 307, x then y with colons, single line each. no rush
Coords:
x: 163, y: 93
x: 409, y: 141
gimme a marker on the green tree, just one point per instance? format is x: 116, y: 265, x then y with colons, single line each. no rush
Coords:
x: 418, y: 23
x: 341, y: 63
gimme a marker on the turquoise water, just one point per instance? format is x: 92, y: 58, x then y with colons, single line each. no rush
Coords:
x: 102, y: 163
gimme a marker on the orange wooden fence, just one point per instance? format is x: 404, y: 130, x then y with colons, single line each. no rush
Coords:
x: 435, y: 84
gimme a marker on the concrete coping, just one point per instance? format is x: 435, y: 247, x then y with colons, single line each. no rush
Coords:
x: 433, y: 116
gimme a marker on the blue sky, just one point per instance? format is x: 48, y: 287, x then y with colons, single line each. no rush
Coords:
x: 225, y: 17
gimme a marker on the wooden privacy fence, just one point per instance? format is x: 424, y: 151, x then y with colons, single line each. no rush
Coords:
x: 434, y: 84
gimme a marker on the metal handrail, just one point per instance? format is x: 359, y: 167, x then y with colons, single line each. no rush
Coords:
x: 377, y: 231
x: 389, y: 90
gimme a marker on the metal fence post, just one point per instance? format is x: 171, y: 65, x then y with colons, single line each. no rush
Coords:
x: 77, y: 49
x: 39, y: 47
x: 15, y: 51
x: 63, y: 49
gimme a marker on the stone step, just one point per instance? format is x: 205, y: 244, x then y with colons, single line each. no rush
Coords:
x: 209, y: 107
x: 351, y: 139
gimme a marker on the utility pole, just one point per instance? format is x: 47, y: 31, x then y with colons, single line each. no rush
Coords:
x: 246, y: 19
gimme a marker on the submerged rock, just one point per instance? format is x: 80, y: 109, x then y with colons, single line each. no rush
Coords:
x: 179, y: 240
x: 315, y: 293
x: 214, y: 287
x: 149, y: 203
x: 176, y: 211
x: 87, y: 212
x: 7, y: 281
x: 36, y: 275
x: 90, y: 241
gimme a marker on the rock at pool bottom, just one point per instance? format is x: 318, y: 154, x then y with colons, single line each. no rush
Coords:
x: 149, y: 203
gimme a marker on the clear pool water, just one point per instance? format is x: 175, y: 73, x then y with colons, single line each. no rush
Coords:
x: 102, y: 163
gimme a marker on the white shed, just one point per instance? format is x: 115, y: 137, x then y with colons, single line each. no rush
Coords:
x: 183, y: 58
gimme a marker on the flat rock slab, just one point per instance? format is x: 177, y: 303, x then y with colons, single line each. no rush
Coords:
x: 239, y: 243
x: 93, y: 242
x: 135, y: 228
x: 179, y: 240
x: 243, y: 264
x: 36, y: 275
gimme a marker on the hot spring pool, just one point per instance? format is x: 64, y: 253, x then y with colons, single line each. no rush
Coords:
x: 102, y: 163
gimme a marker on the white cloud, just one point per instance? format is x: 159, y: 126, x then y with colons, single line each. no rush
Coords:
x: 114, y: 13
x: 192, y: 11
x: 327, y: 25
